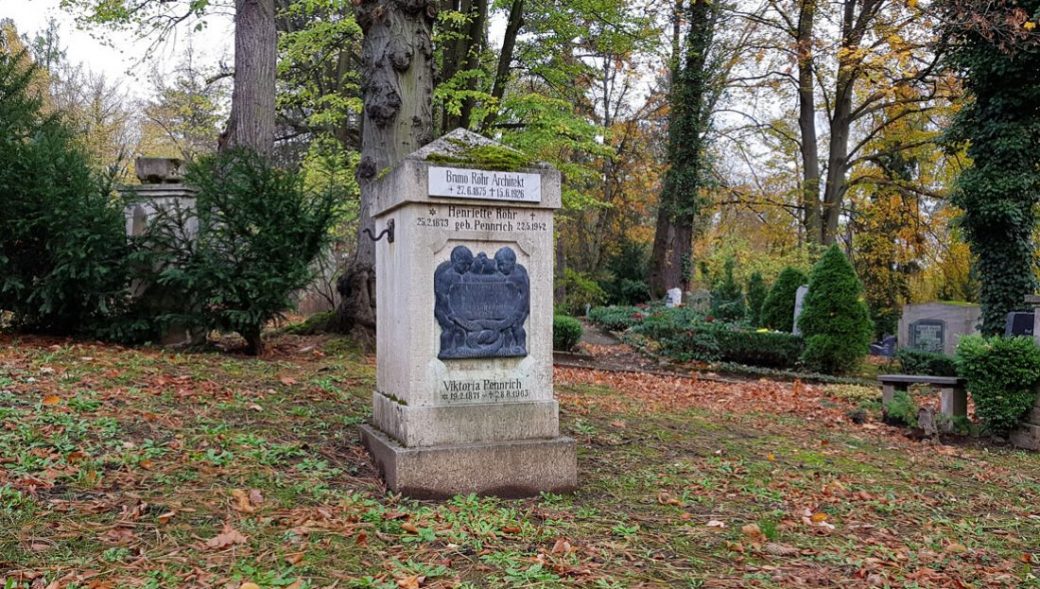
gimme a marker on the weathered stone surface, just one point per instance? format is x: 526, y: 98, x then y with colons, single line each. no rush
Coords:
x: 799, y: 304
x: 519, y: 468
x: 159, y: 170
x: 1027, y: 437
x: 954, y: 321
x: 464, y: 334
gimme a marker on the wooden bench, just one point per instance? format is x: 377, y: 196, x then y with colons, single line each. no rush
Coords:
x: 953, y: 398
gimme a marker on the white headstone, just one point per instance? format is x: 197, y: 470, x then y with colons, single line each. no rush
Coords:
x: 799, y: 302
x: 674, y: 298
x: 464, y: 394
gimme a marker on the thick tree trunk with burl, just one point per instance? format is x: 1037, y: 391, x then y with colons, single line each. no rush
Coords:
x: 397, y: 68
x: 251, y: 124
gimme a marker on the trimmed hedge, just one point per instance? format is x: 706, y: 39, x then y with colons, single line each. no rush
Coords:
x: 922, y: 362
x: 771, y: 349
x: 566, y: 333
x: 1002, y: 377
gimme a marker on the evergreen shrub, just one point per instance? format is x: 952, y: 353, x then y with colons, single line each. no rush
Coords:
x: 778, y: 308
x: 921, y: 362
x: 835, y: 321
x: 259, y: 230
x: 727, y: 298
x: 756, y: 298
x: 566, y: 333
x: 616, y: 318
x: 63, y: 247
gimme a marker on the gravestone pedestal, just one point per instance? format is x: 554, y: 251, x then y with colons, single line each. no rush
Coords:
x: 464, y: 397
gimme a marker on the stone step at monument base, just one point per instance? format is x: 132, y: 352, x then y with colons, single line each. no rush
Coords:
x: 465, y: 424
x: 1027, y: 437
x: 517, y: 468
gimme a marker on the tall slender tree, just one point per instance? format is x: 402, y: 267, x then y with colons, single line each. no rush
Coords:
x: 681, y: 198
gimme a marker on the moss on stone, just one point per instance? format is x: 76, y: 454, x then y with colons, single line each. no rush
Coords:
x: 488, y: 157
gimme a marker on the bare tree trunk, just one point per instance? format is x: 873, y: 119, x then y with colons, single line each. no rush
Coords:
x: 252, y: 100
x: 807, y: 123
x: 838, y: 158
x: 505, y: 59
x: 397, y: 68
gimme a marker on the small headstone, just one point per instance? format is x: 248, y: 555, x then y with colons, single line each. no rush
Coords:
x: 885, y: 348
x: 799, y: 303
x: 1019, y: 323
x: 673, y: 298
x: 928, y: 335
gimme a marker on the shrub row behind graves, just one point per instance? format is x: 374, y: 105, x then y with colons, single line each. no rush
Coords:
x: 1002, y: 377
x: 771, y: 349
x: 616, y: 318
x: 921, y: 362
x: 566, y: 333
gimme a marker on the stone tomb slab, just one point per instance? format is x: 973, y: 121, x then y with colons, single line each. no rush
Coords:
x: 464, y: 395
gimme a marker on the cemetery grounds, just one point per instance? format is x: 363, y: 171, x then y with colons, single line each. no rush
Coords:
x: 148, y: 468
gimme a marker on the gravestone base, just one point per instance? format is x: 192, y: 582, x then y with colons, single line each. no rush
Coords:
x: 511, y: 469
x: 1027, y: 435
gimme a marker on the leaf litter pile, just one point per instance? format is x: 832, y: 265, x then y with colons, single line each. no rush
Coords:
x: 149, y: 468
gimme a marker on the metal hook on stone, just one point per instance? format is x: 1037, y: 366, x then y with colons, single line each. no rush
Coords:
x: 388, y: 232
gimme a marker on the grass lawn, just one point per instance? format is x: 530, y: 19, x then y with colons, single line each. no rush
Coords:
x: 146, y: 468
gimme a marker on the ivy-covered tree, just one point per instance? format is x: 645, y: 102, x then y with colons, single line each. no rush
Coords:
x: 778, y: 308
x: 835, y: 321
x: 681, y: 198
x: 995, y: 47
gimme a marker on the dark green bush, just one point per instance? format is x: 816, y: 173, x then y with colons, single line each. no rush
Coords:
x: 628, y: 267
x: 727, y: 298
x: 63, y: 247
x: 778, y: 308
x: 566, y: 333
x: 921, y: 362
x: 616, y: 318
x: 771, y: 349
x: 756, y: 297
x: 580, y: 291
x: 259, y: 232
x: 694, y: 342
x: 1002, y: 377
x: 662, y: 322
x: 835, y: 321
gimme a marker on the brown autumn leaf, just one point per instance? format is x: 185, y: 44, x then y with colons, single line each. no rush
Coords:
x: 511, y: 529
x: 409, y: 527
x: 51, y: 400
x: 242, y: 502
x: 287, y: 381
x: 256, y: 497
x: 294, y: 558
x: 666, y: 498
x: 362, y: 538
x: 410, y: 582
x: 249, y: 585
x: 228, y: 537
x: 753, y: 532
x: 562, y: 547
x: 297, y: 584
x: 166, y: 517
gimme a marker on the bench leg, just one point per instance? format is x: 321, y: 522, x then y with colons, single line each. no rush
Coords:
x: 953, y: 403
x: 888, y: 392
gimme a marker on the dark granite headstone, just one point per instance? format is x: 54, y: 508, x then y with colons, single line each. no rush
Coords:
x: 481, y: 305
x: 1019, y: 323
x: 928, y: 335
x: 886, y: 347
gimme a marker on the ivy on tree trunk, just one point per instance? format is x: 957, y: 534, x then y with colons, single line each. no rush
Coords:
x: 671, y: 262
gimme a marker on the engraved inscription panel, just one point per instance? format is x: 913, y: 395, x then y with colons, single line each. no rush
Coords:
x: 481, y: 304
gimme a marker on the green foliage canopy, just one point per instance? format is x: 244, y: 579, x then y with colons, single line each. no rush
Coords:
x: 778, y: 307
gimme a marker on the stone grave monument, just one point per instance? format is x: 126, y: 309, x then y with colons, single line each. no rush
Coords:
x: 464, y: 293
x: 937, y: 327
x: 1027, y: 435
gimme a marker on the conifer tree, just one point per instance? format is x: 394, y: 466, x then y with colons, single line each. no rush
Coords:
x: 835, y: 321
x: 778, y: 308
